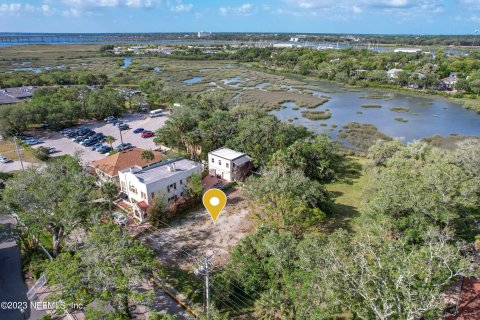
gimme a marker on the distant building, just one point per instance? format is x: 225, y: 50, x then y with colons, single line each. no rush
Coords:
x: 294, y: 39
x: 202, y: 34
x: 285, y: 45
x: 107, y: 169
x: 448, y: 83
x: 229, y: 164
x: 392, y: 73
x: 15, y: 95
x: 139, y: 186
x: 408, y: 50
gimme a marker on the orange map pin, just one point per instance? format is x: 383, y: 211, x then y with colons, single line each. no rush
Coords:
x: 214, y: 201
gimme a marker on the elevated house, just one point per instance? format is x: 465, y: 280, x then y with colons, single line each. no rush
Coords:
x: 141, y: 185
x: 449, y: 82
x: 228, y: 164
x: 107, y: 169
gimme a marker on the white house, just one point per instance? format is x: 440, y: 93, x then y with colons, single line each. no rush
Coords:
x: 392, y: 73
x: 140, y: 186
x: 229, y: 164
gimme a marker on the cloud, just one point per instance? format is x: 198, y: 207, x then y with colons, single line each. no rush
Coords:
x: 10, y: 8
x: 110, y: 3
x: 18, y: 9
x: 245, y: 9
x: 339, y: 7
x: 179, y: 6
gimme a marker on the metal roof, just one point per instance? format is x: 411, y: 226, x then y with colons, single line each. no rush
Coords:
x: 161, y: 170
x: 226, y: 153
x: 241, y: 161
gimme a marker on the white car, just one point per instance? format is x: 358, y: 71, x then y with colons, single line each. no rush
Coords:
x: 119, y: 218
x: 5, y: 160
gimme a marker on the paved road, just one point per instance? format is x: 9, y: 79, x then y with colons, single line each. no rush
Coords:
x: 12, y: 287
x: 16, y: 166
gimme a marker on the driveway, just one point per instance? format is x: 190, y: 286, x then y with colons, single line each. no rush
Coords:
x: 66, y: 146
x: 16, y: 166
x: 12, y: 287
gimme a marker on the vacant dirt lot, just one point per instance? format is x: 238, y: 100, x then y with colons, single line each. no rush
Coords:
x: 195, y: 235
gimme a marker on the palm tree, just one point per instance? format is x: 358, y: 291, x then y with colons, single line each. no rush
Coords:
x: 110, y: 140
x: 147, y: 155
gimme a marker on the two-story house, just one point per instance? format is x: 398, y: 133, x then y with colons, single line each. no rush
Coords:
x: 140, y: 186
x: 229, y: 164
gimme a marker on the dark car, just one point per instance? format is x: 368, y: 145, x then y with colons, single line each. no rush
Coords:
x: 123, y: 146
x: 123, y: 126
x: 138, y: 130
x: 104, y: 149
x: 147, y: 134
x: 96, y: 146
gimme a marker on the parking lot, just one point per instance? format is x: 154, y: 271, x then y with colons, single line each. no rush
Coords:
x: 67, y: 146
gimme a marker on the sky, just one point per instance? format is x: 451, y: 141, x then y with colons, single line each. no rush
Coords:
x: 302, y: 16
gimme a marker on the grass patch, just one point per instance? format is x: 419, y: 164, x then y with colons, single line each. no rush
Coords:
x: 316, y: 115
x: 347, y: 193
x: 296, y: 108
x: 371, y: 106
x: 399, y: 119
x: 377, y: 96
x: 361, y: 135
x: 400, y: 109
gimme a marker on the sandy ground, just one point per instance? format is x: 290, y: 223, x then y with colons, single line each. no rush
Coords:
x: 195, y: 234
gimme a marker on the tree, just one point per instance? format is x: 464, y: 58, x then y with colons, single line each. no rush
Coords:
x: 287, y: 199
x: 110, y: 140
x: 157, y: 212
x: 317, y: 158
x: 110, y: 191
x: 194, y: 187
x: 56, y: 198
x: 147, y: 155
x: 110, y: 267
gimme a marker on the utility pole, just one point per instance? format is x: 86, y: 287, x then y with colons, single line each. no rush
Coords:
x: 18, y: 152
x: 120, y: 131
x: 203, y: 269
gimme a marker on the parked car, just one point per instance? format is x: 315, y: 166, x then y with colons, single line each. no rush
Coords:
x: 96, y: 146
x: 79, y: 139
x: 51, y: 150
x: 89, y: 143
x: 104, y: 149
x: 110, y: 119
x: 124, y: 126
x: 123, y: 146
x: 119, y: 218
x: 138, y: 130
x: 147, y: 134
x: 5, y: 160
x: 32, y: 142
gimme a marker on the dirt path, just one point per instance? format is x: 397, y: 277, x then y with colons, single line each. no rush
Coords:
x: 195, y: 235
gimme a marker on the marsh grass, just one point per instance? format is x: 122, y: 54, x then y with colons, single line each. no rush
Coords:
x: 316, y: 115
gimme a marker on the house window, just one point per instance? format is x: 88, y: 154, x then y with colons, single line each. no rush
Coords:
x: 181, y: 181
x: 227, y: 165
x: 143, y: 196
x: 213, y: 160
x: 133, y: 189
x: 219, y: 162
x: 168, y: 189
x: 123, y: 185
x: 175, y: 186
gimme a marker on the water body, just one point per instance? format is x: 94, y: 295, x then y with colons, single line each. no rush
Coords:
x: 426, y: 116
x: 126, y: 62
x: 193, y: 80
